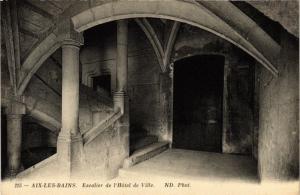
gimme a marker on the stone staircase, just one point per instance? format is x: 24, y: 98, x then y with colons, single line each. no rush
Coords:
x: 47, y: 113
x: 137, y: 143
x: 145, y: 153
x: 143, y: 147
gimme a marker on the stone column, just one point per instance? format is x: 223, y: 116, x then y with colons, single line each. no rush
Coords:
x: 122, y: 58
x: 121, y: 68
x: 70, y: 89
x: 14, y: 113
x: 69, y: 144
x: 120, y: 96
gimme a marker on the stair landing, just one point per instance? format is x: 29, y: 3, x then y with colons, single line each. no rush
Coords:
x: 145, y: 153
x: 198, y: 165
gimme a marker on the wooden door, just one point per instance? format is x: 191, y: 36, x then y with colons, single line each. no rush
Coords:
x: 198, y: 97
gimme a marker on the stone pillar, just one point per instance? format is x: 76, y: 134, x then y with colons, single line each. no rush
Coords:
x: 121, y: 68
x: 122, y: 58
x: 69, y: 143
x: 70, y: 89
x: 14, y: 113
x: 120, y: 95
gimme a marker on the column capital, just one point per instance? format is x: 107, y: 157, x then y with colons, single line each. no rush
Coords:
x: 122, y: 22
x: 70, y: 43
x: 68, y: 35
x: 16, y: 107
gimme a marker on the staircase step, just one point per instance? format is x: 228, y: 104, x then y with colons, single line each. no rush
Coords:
x: 42, y: 169
x: 141, y: 142
x: 145, y: 153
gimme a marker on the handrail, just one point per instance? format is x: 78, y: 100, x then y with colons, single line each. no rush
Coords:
x: 45, y: 120
x: 37, y: 166
x: 101, y: 127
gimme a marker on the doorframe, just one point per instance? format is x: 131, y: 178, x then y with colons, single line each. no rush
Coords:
x: 225, y: 112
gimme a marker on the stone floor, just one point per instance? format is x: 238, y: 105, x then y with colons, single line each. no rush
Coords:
x: 189, y: 164
x: 178, y: 171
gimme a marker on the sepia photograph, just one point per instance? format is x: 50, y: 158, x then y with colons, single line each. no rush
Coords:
x: 149, y: 97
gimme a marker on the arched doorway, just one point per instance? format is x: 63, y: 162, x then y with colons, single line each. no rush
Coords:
x: 198, y: 96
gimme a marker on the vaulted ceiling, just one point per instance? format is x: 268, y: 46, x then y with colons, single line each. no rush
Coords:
x: 36, y: 20
x: 29, y: 24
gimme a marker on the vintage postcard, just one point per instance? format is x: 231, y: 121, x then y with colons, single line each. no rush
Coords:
x: 186, y: 97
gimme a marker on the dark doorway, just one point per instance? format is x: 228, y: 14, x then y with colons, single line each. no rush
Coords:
x: 102, y: 83
x: 198, y: 97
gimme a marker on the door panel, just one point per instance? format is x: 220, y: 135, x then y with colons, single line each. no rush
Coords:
x: 198, y: 96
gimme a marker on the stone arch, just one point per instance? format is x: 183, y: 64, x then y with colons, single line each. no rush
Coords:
x: 199, y: 53
x: 36, y: 58
x: 218, y: 18
x: 244, y: 33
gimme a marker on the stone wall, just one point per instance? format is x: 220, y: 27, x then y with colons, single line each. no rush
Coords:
x: 278, y: 155
x: 146, y: 99
x: 35, y: 135
x: 5, y: 80
x: 106, y: 153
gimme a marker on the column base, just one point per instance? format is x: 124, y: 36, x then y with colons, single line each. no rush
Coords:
x: 70, y: 155
x: 14, y: 113
x: 12, y: 173
x: 119, y: 101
